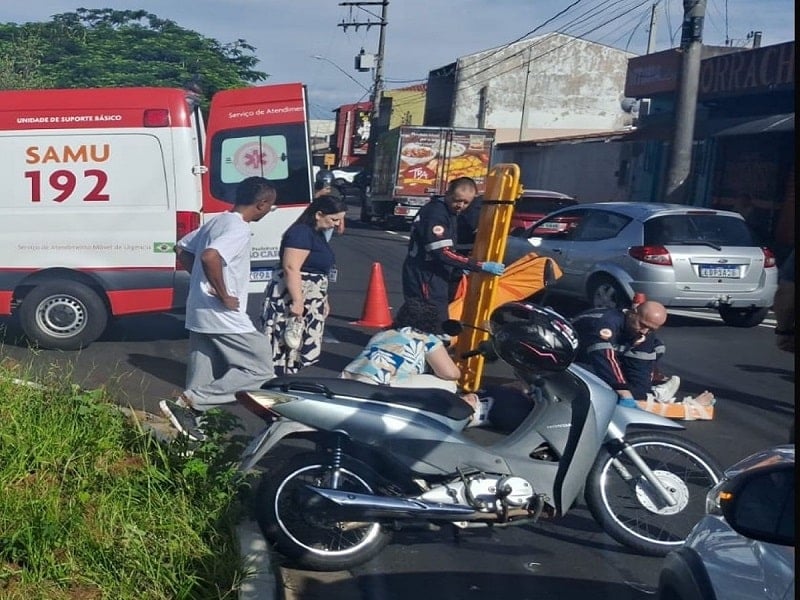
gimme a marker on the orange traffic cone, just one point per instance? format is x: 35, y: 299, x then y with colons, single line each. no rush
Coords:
x: 376, y: 304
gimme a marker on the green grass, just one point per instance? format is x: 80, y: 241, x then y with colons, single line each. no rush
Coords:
x: 94, y: 507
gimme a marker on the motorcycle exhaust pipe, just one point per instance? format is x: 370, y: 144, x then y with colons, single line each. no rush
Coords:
x: 354, y: 506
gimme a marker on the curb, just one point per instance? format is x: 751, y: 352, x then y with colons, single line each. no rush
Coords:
x: 261, y: 582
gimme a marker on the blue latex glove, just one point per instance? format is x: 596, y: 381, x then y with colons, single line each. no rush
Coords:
x: 627, y: 402
x: 494, y: 268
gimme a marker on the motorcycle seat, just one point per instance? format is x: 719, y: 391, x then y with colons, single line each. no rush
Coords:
x: 434, y: 400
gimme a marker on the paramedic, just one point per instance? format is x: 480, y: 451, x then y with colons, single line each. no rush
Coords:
x: 431, y: 259
x: 621, y: 348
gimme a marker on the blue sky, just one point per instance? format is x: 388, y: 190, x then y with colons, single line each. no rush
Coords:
x: 423, y: 34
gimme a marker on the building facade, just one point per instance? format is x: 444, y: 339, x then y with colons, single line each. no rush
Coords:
x: 743, y: 157
x: 544, y: 87
x: 402, y: 106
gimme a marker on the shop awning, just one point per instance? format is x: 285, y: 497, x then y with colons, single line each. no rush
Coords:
x: 748, y: 125
x: 663, y: 128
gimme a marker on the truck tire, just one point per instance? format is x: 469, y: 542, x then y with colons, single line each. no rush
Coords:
x: 365, y: 216
x: 63, y: 315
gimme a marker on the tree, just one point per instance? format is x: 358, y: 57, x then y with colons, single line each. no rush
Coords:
x: 20, y: 60
x: 106, y: 47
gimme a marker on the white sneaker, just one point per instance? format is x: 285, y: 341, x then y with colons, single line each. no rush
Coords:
x: 665, y: 392
x: 293, y: 336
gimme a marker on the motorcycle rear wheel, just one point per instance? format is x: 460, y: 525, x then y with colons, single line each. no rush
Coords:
x: 631, y: 511
x: 294, y: 518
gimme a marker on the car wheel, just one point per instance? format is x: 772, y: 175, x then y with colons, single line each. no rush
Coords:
x: 742, y: 317
x: 63, y: 315
x: 604, y: 292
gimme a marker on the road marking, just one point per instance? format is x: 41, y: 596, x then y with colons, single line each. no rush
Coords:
x: 768, y: 322
x: 402, y: 235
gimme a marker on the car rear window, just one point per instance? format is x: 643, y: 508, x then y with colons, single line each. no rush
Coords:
x: 701, y: 228
x: 543, y: 206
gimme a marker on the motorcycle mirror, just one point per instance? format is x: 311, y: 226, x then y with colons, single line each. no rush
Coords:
x: 452, y: 327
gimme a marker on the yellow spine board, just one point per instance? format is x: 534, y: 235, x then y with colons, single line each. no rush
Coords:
x: 502, y: 190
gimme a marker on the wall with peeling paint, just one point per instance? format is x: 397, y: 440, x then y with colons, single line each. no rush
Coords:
x: 549, y: 86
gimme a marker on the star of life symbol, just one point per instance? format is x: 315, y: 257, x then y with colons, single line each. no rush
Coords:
x: 254, y: 159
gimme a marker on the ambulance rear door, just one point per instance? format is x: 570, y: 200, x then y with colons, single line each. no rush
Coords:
x: 259, y: 131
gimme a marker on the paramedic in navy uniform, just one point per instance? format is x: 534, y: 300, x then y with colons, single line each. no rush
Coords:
x: 431, y: 250
x: 621, y: 348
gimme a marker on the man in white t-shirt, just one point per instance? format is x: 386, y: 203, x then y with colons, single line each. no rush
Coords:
x: 222, y: 338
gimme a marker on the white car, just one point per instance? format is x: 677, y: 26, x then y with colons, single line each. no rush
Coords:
x: 743, y: 549
x: 342, y: 176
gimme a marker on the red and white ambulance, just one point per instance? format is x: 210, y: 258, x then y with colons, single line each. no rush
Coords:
x: 99, y: 184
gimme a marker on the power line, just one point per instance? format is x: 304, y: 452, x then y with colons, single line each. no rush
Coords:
x: 535, y: 29
x: 588, y: 14
x: 485, y: 71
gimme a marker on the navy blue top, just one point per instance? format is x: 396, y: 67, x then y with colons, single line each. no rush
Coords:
x: 304, y: 237
x: 614, y: 354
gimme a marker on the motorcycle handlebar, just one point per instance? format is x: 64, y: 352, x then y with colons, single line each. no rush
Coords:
x: 484, y: 348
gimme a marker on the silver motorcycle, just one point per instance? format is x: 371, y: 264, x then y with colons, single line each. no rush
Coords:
x: 381, y: 457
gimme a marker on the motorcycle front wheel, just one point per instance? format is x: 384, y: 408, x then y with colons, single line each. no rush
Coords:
x: 298, y: 522
x: 628, y: 506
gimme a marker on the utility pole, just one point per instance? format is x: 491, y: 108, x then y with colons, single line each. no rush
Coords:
x: 651, y: 33
x: 686, y: 107
x: 377, y: 85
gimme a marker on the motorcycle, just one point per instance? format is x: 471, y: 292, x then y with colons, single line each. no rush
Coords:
x: 386, y: 457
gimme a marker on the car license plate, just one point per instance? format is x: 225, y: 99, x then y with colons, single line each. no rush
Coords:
x: 720, y: 272
x: 261, y: 275
x: 405, y: 211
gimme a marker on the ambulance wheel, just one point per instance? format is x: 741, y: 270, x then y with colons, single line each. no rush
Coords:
x: 63, y: 315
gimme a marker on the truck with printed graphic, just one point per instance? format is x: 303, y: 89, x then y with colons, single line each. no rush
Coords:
x: 99, y: 184
x: 412, y: 164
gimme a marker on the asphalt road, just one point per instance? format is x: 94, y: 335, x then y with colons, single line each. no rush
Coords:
x: 142, y: 360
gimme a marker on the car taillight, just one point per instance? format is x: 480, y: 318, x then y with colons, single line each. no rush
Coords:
x: 654, y: 255
x: 185, y: 222
x: 769, y: 258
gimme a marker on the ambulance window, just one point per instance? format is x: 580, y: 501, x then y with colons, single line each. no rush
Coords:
x: 277, y: 152
x: 248, y: 156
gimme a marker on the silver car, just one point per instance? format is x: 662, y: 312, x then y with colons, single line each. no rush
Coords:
x: 681, y: 256
x: 744, y: 548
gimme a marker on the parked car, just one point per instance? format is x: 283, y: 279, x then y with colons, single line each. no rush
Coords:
x: 681, y: 256
x: 344, y: 179
x: 534, y: 205
x: 743, y: 548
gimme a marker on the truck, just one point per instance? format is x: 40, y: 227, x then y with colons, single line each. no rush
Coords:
x: 413, y: 164
x: 99, y: 184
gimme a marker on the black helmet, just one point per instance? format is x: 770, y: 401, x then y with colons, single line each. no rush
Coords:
x: 324, y: 178
x: 533, y: 338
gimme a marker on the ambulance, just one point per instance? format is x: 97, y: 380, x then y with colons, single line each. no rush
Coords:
x: 99, y: 184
